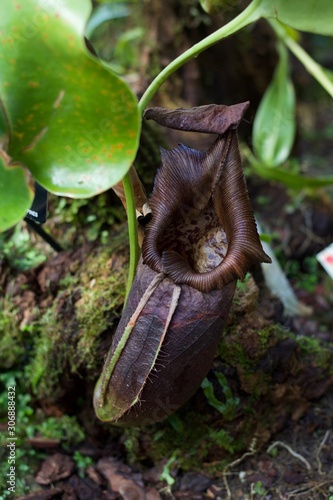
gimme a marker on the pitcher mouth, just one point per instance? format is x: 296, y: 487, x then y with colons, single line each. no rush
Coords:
x: 203, y: 232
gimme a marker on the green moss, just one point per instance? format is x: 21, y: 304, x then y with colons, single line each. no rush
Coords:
x: 242, y: 286
x: 68, y: 282
x: 27, y: 462
x: 189, y: 446
x: 12, y: 343
x: 65, y: 428
x: 82, y: 462
x: 101, y: 296
x: 29, y: 423
x: 244, y: 347
x: 26, y: 457
x: 87, y: 305
x: 309, y: 345
x: 162, y: 441
x: 131, y: 442
x: 187, y: 438
x: 233, y: 352
x: 319, y: 354
x: 49, y: 356
x: 222, y: 439
x: 266, y: 333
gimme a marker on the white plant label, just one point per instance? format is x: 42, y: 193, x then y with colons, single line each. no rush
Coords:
x: 325, y: 257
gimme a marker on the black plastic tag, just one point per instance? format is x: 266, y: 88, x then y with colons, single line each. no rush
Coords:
x: 38, y: 210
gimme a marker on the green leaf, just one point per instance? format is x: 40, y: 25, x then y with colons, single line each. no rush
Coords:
x: 274, y: 125
x: 228, y: 407
x: 314, y: 16
x: 16, y: 192
x: 107, y: 12
x: 74, y: 123
x: 289, y: 37
x: 291, y: 179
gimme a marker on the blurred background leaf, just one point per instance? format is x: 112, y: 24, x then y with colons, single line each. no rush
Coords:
x: 275, y: 124
x: 314, y: 16
x: 117, y: 34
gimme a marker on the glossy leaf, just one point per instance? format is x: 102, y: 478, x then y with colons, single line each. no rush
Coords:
x: 74, y: 123
x: 314, y: 16
x: 16, y: 192
x: 274, y: 125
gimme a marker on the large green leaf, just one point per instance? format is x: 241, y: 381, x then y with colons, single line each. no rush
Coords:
x: 16, y: 192
x: 274, y: 125
x: 74, y: 123
x: 315, y: 16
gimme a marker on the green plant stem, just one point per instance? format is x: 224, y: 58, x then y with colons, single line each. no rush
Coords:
x: 315, y: 69
x: 251, y: 14
x: 132, y: 232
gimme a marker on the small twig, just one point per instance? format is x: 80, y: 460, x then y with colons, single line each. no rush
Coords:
x: 291, y: 451
x: 305, y: 489
x: 236, y: 462
x: 320, y: 447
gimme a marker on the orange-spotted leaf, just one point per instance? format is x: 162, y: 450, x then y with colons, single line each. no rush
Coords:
x: 73, y: 122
